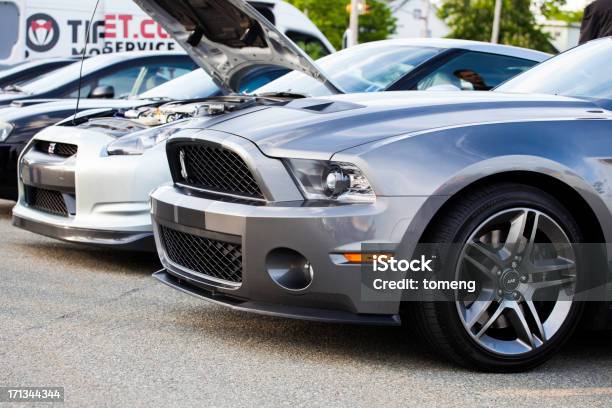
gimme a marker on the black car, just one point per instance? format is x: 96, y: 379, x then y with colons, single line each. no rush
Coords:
x: 105, y: 76
x: 31, y: 70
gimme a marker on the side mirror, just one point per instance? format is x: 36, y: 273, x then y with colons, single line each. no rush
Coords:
x: 102, y: 92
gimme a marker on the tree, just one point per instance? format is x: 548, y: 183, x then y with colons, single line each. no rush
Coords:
x: 552, y: 10
x: 332, y: 18
x: 473, y: 20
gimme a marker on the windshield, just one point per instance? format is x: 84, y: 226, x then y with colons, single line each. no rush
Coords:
x: 583, y: 72
x: 366, y: 68
x: 194, y: 85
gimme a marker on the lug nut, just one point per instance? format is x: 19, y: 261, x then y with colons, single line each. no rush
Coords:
x: 499, y: 273
x: 523, y: 278
x: 500, y: 292
x: 516, y: 295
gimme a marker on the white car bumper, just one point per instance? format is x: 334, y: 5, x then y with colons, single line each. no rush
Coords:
x: 88, y: 197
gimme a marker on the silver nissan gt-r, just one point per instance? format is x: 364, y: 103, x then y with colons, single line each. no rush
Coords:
x: 272, y: 211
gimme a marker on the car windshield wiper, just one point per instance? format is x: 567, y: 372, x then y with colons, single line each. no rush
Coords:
x: 283, y: 94
x: 14, y: 88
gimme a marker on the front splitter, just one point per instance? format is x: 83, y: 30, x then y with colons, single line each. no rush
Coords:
x: 131, y: 241
x: 277, y: 310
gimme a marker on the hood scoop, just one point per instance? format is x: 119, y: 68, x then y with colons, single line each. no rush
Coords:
x: 229, y: 39
x: 322, y: 105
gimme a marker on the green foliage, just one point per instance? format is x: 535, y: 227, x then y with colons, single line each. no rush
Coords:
x: 314, y: 50
x: 473, y: 20
x: 332, y: 18
x: 551, y: 9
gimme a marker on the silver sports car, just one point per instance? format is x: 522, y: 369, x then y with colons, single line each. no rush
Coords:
x: 276, y: 211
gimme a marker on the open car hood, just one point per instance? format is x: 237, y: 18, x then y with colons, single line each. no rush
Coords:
x: 230, y: 39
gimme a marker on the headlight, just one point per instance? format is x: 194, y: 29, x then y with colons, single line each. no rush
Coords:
x: 5, y: 130
x: 325, y: 180
x: 140, y: 141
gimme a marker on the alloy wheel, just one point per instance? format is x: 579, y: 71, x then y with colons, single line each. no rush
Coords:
x: 525, y: 268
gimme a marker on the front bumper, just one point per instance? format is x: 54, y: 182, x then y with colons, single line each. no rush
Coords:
x: 107, y: 196
x: 275, y: 310
x: 318, y: 233
x: 131, y: 241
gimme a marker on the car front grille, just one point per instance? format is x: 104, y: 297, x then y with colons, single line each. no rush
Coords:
x: 214, y: 168
x: 48, y: 201
x: 56, y: 149
x: 214, y: 259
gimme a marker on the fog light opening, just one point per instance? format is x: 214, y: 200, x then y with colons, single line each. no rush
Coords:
x: 289, y: 269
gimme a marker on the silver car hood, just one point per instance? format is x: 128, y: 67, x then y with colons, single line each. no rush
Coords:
x: 229, y: 39
x: 319, y: 128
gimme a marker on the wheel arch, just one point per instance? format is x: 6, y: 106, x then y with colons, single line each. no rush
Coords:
x: 597, y: 314
x: 569, y: 196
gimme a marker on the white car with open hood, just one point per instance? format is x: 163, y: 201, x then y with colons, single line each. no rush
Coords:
x: 88, y: 180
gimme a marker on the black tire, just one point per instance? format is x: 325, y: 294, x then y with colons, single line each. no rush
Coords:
x: 439, y: 323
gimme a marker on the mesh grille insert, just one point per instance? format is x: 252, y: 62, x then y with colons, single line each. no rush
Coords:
x: 214, y: 168
x: 56, y: 149
x: 47, y: 200
x: 216, y: 259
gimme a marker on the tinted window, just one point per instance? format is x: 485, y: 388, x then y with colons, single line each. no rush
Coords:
x: 134, y: 80
x: 196, y: 84
x: 365, y: 68
x: 155, y: 75
x: 582, y: 72
x: 311, y: 45
x: 475, y: 71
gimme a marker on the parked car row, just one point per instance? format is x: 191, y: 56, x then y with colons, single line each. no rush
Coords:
x: 259, y: 187
x: 107, y: 78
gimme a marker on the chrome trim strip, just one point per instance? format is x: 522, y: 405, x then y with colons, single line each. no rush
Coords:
x: 212, y: 192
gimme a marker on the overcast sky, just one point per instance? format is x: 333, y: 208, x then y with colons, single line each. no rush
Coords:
x: 576, y: 4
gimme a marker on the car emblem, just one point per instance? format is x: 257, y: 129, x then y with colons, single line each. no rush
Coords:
x: 51, y: 148
x: 184, y: 173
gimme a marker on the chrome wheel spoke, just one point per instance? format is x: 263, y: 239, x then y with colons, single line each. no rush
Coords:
x: 552, y: 283
x: 477, y: 310
x: 479, y: 266
x: 523, y: 331
x: 536, y: 318
x: 500, y: 308
x: 532, y: 237
x: 515, y: 235
x: 552, y: 265
x: 493, y: 256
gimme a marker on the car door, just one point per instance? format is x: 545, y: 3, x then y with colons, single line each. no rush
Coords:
x: 465, y: 70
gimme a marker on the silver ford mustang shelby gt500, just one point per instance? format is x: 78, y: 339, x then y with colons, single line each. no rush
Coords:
x: 272, y: 211
x: 100, y: 195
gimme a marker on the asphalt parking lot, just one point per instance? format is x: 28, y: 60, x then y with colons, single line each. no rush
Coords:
x: 96, y: 323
